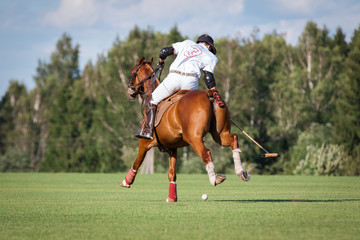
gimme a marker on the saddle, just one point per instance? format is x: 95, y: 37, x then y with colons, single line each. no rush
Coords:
x: 169, y: 101
x: 166, y: 103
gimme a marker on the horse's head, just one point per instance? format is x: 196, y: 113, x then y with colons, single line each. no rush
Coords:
x: 140, y: 74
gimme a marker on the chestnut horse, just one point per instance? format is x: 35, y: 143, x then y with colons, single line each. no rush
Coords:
x: 184, y: 123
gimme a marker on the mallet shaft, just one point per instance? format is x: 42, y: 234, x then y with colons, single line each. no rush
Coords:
x: 266, y: 154
x: 255, y: 141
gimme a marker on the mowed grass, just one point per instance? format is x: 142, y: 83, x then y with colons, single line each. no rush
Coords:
x: 93, y: 206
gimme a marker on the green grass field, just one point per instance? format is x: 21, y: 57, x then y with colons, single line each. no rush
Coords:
x: 93, y: 206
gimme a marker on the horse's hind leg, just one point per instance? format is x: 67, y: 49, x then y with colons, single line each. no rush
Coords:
x: 130, y: 176
x: 227, y: 139
x: 172, y: 176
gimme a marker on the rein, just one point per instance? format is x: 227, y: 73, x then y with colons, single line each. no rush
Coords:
x: 136, y: 87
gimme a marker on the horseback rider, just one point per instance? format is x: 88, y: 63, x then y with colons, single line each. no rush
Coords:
x: 191, y: 59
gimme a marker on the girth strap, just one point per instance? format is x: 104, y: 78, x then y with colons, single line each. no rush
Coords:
x: 161, y: 147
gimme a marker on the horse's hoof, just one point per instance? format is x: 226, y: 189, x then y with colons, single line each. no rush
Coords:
x: 124, y: 184
x: 171, y: 200
x: 244, y: 175
x: 219, y: 179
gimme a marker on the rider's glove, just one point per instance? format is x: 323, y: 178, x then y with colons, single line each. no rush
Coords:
x: 161, y: 64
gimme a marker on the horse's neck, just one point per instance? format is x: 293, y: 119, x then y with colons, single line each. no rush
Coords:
x: 148, y: 90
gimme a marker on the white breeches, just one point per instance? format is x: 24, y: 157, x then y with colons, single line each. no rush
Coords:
x: 172, y: 83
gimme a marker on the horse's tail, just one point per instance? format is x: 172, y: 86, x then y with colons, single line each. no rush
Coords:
x: 210, y: 95
x: 214, y: 95
x: 221, y: 114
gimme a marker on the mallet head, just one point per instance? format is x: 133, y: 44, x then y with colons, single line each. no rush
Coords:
x: 270, y: 155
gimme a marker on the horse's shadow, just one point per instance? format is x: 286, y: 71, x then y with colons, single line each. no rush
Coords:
x: 289, y: 200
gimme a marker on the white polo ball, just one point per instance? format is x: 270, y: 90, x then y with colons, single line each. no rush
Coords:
x: 204, y: 197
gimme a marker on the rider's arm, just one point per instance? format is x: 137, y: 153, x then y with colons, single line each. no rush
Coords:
x: 166, y: 51
x: 210, y: 84
x: 209, y: 80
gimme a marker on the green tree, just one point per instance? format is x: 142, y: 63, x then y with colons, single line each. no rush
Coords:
x: 317, y: 135
x: 347, y: 118
x: 54, y: 87
x: 15, y: 120
x: 326, y: 160
x: 283, y: 96
x: 304, y: 91
x: 314, y: 55
x: 258, y: 70
x: 15, y: 161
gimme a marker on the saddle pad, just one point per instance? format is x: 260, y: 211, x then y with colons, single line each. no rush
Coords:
x: 166, y: 103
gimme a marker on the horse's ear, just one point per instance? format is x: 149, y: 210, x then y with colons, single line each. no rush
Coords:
x: 141, y: 61
x: 150, y: 61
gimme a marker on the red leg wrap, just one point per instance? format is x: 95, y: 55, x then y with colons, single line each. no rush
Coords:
x: 172, y: 192
x: 130, y: 176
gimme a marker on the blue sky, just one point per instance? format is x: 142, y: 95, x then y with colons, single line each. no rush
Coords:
x: 29, y: 30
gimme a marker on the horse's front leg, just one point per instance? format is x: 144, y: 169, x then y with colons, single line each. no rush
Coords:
x: 205, y: 154
x: 130, y: 176
x: 172, y: 176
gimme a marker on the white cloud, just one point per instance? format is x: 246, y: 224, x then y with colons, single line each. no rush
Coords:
x: 328, y: 13
x: 292, y: 29
x: 198, y: 25
x: 73, y: 13
x: 235, y: 7
x: 303, y: 6
x: 118, y: 13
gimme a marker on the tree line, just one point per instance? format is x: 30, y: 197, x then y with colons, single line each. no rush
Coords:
x: 302, y: 101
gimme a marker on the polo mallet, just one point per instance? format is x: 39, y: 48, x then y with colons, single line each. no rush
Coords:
x: 264, y: 155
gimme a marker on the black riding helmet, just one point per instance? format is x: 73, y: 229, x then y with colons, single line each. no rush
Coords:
x: 206, y: 38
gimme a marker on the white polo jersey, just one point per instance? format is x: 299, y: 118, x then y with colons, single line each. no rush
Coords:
x: 192, y: 58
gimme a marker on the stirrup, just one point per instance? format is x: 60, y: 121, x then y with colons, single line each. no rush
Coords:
x: 144, y: 136
x: 148, y: 136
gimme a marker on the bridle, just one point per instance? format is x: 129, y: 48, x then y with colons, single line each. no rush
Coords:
x: 137, y: 87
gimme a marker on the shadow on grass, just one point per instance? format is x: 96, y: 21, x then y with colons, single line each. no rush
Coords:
x: 291, y: 200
